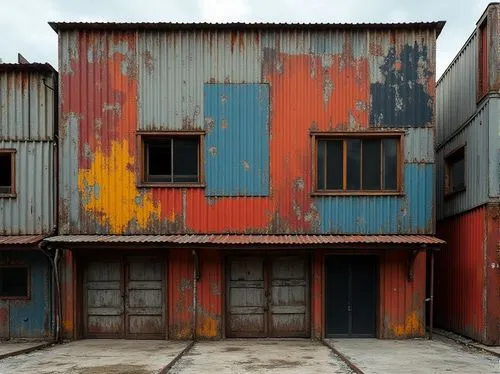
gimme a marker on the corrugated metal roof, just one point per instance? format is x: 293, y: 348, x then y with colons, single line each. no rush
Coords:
x: 57, y: 26
x: 39, y: 67
x: 251, y: 239
x: 20, y: 239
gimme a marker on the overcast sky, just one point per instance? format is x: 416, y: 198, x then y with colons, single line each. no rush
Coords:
x: 24, y: 28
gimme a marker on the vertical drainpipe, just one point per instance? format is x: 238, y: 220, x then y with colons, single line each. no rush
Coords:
x: 196, y: 276
x: 54, y: 261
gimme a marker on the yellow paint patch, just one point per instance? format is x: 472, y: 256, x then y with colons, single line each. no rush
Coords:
x: 208, y: 328
x: 109, y: 190
x: 411, y: 327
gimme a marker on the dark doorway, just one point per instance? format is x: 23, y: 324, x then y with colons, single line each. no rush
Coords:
x: 350, y: 299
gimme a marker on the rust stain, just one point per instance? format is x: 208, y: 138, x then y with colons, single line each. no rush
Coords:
x: 109, y: 190
x: 411, y: 327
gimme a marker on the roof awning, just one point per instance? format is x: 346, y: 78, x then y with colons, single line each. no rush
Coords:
x: 211, y: 240
x: 20, y: 240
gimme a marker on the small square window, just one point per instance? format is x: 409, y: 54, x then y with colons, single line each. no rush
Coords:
x: 7, y: 175
x: 171, y: 159
x: 455, y: 171
x: 358, y: 163
x: 14, y: 282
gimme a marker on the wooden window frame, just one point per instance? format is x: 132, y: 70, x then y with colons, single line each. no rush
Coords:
x: 448, y: 160
x: 144, y: 136
x: 399, y: 135
x: 28, y: 282
x: 12, y: 153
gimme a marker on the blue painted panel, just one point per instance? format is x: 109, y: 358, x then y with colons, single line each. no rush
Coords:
x: 237, y: 139
x: 32, y: 318
x: 408, y: 214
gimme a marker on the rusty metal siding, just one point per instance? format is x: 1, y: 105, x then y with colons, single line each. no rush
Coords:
x: 475, y: 137
x: 460, y: 278
x: 27, y: 106
x: 180, y: 294
x: 153, y: 80
x: 494, y: 147
x: 419, y: 145
x: 237, y: 140
x: 28, y: 318
x: 32, y: 210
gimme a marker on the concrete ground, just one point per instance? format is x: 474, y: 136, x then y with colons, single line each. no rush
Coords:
x: 260, y: 356
x: 12, y: 348
x: 415, y: 356
x: 97, y: 356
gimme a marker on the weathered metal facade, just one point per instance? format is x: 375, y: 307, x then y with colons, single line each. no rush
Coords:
x: 258, y: 94
x: 468, y: 112
x: 28, y: 98
x: 307, y: 79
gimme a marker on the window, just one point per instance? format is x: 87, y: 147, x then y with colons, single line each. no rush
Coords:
x: 455, y: 171
x: 171, y: 159
x: 14, y: 282
x: 483, y: 61
x: 361, y: 163
x: 7, y: 176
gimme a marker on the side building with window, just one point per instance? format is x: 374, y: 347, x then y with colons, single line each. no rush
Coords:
x: 246, y: 180
x: 28, y: 99
x: 468, y: 176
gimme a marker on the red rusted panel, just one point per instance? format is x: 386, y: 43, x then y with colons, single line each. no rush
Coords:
x: 67, y: 295
x: 210, y: 289
x: 460, y: 278
x: 493, y: 276
x: 317, y: 294
x: 402, y: 304
x: 180, y: 294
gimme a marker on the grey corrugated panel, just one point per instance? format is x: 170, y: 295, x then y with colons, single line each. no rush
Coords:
x: 494, y: 147
x: 476, y: 138
x: 456, y: 91
x: 32, y: 210
x: 27, y: 105
x: 419, y: 145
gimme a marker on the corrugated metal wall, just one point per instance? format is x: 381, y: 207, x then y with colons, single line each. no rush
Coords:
x: 180, y: 294
x: 32, y: 317
x: 32, y: 210
x: 27, y: 124
x: 318, y: 81
x: 475, y: 137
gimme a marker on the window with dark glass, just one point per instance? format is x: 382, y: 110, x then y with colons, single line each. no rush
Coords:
x: 6, y: 172
x: 357, y: 164
x: 14, y: 282
x: 455, y: 171
x: 172, y: 160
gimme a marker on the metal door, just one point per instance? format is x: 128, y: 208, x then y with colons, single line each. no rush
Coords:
x: 247, y: 316
x: 125, y: 298
x: 144, y: 306
x: 103, y: 298
x: 268, y: 297
x: 351, y: 284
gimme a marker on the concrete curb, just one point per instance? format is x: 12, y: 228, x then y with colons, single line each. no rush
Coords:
x: 26, y: 350
x: 348, y: 362
x: 176, y: 358
x: 465, y: 341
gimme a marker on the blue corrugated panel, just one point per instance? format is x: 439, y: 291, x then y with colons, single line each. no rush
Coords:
x: 411, y: 213
x: 237, y: 140
x: 32, y: 318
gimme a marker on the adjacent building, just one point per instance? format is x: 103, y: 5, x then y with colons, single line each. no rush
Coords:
x: 245, y: 180
x: 28, y: 127
x: 468, y: 191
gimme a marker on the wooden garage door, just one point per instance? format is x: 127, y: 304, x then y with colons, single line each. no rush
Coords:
x: 125, y: 298
x: 268, y: 297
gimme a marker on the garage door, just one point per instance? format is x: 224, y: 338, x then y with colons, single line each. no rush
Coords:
x: 124, y: 298
x: 268, y: 296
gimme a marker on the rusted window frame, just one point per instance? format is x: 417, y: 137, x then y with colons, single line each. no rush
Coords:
x: 399, y: 135
x: 143, y: 136
x: 449, y: 159
x: 28, y: 282
x: 12, y: 153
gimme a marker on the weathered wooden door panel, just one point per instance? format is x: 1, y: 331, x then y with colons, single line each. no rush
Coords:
x: 145, y: 313
x: 104, y: 299
x: 246, y: 302
x: 288, y: 304
x: 268, y: 297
